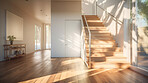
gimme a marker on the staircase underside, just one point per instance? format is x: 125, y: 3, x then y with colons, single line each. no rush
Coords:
x: 105, y: 52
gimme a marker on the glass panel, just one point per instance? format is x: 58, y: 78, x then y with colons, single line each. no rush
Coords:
x: 142, y: 24
x: 48, y: 36
x: 37, y: 37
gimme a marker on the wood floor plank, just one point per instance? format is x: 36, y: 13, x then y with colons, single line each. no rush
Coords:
x: 40, y: 68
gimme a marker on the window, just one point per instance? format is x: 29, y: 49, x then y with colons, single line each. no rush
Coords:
x: 48, y: 36
x: 37, y: 37
x: 142, y: 25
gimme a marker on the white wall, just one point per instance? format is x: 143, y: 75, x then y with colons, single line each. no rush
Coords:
x: 61, y: 12
x: 88, y: 7
x: 119, y: 29
x: 118, y: 8
x: 29, y: 24
x: 127, y: 32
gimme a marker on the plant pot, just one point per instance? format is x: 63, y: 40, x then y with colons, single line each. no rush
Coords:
x: 11, y: 42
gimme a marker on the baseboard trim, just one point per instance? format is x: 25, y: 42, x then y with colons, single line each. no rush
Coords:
x: 139, y: 70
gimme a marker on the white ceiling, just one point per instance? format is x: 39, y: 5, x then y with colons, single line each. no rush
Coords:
x: 65, y: 0
x: 39, y: 9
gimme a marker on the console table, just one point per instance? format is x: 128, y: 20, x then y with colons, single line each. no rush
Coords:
x: 15, y: 50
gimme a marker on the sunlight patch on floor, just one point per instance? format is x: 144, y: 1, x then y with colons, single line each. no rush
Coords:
x: 70, y: 76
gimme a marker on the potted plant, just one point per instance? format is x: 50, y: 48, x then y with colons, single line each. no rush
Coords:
x: 11, y: 39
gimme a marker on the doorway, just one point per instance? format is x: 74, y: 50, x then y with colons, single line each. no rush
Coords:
x: 47, y: 36
x: 37, y: 37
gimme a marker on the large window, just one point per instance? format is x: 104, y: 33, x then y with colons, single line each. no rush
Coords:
x: 142, y: 25
x: 48, y: 36
x: 37, y: 37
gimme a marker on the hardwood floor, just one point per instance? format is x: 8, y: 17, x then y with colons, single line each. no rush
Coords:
x: 40, y: 68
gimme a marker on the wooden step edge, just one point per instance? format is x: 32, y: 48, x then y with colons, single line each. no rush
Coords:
x: 105, y: 48
x: 103, y: 63
x: 109, y: 57
x: 109, y: 52
x: 100, y: 39
x: 98, y: 32
x: 98, y: 21
x: 104, y: 43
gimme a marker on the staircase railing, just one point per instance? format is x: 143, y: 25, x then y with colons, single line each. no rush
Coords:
x: 107, y: 14
x: 89, y: 39
x: 83, y: 45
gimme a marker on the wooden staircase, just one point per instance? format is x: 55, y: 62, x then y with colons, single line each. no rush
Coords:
x: 105, y: 52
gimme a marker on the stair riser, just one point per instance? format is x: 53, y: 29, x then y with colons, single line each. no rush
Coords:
x: 102, y: 59
x: 100, y: 38
x: 97, y: 36
x: 99, y: 46
x: 92, y: 18
x: 102, y: 42
x: 97, y: 27
x: 95, y: 24
x: 103, y: 50
x: 95, y: 40
x: 107, y: 49
x: 97, y: 21
x: 106, y: 54
x: 110, y: 66
x: 101, y: 34
x: 97, y: 51
x: 100, y: 29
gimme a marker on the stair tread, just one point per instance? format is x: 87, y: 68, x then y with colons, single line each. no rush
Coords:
x: 94, y: 21
x: 111, y: 66
x: 105, y: 40
x: 102, y: 63
x: 97, y: 39
x: 97, y: 32
x: 103, y: 44
x: 105, y: 48
x: 108, y: 52
x: 95, y: 25
x: 99, y: 43
x: 100, y: 37
x: 105, y: 53
x: 110, y: 57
